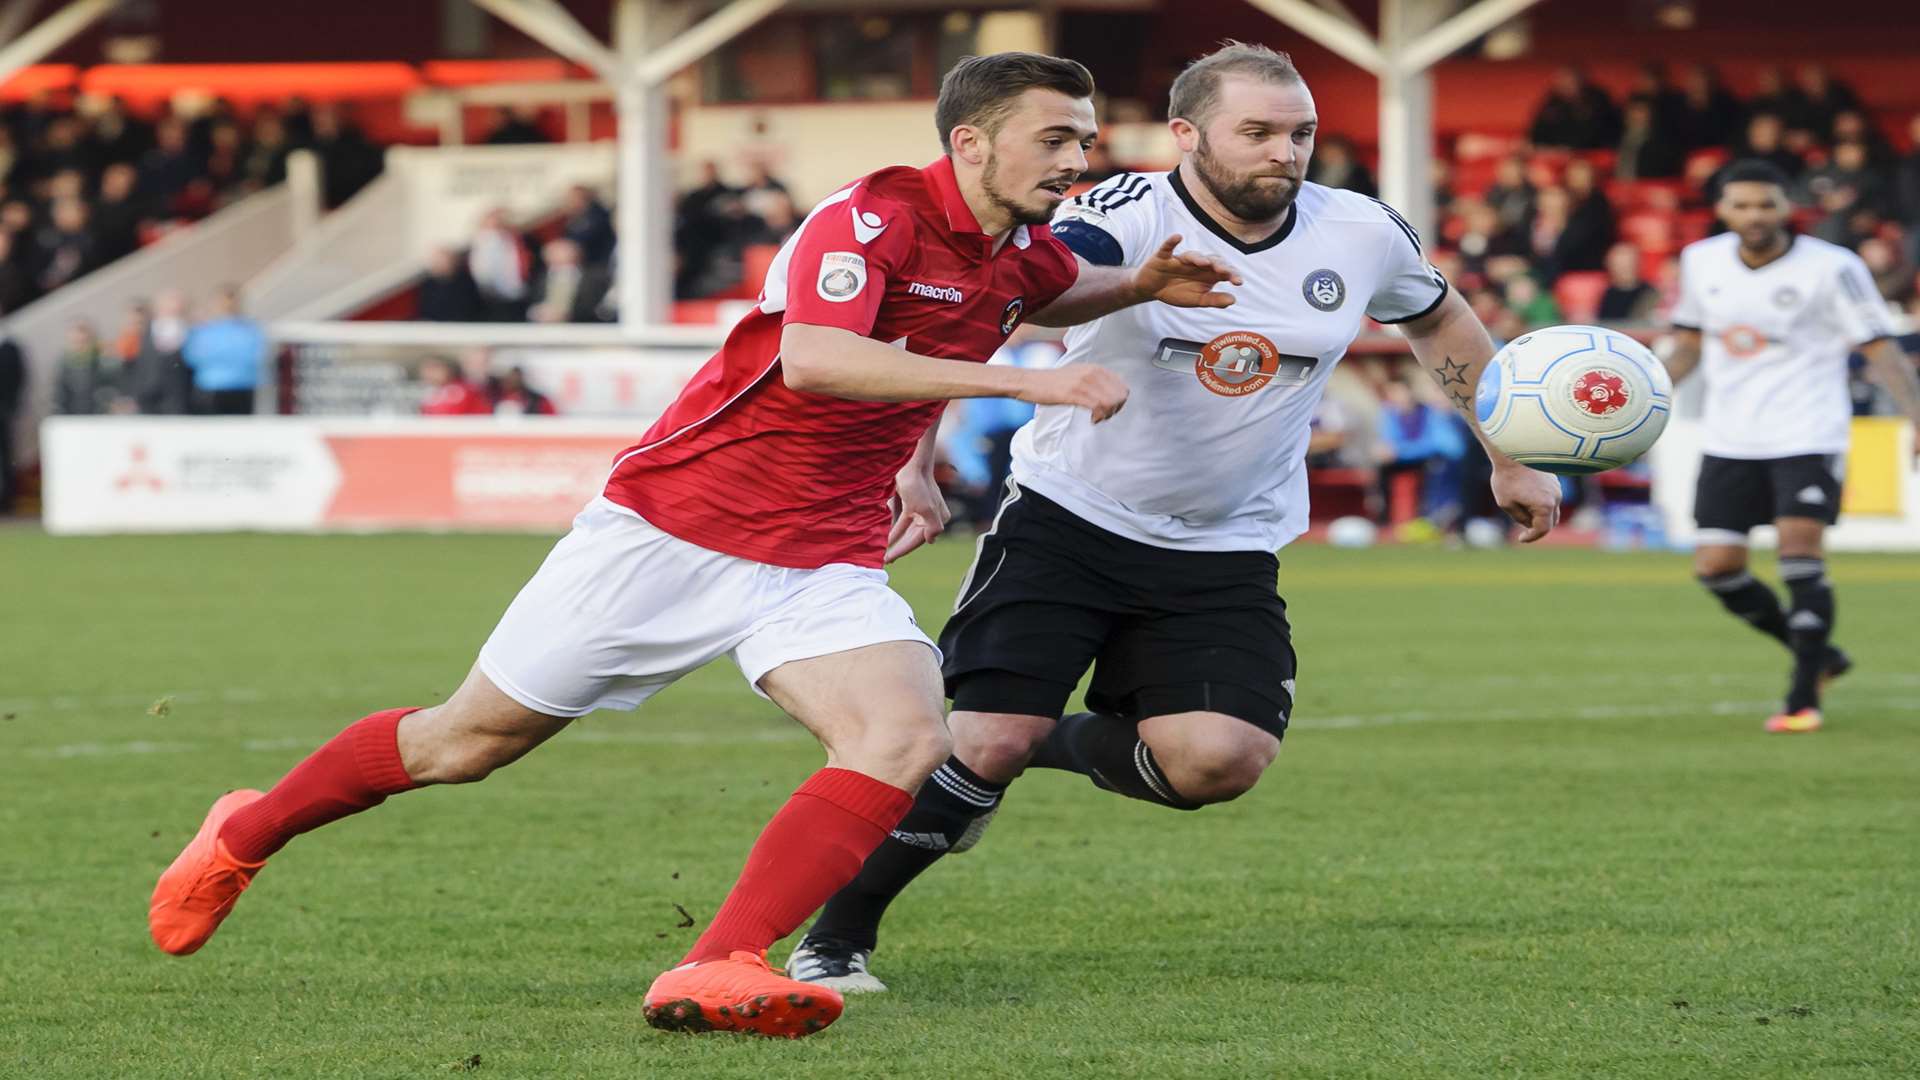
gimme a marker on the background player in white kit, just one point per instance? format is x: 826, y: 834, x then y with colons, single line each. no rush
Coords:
x: 1145, y: 547
x: 1769, y: 317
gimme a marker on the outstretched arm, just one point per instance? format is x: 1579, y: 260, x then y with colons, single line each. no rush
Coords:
x: 1893, y: 368
x: 1683, y: 354
x: 1186, y: 279
x: 1454, y: 348
x: 840, y: 363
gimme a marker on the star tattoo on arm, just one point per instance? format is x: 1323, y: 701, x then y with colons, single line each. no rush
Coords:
x: 1451, y: 373
x: 1465, y: 403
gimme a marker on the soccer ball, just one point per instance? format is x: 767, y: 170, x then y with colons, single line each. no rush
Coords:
x: 1574, y: 399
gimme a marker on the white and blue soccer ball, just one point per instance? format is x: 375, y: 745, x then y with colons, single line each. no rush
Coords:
x: 1574, y: 399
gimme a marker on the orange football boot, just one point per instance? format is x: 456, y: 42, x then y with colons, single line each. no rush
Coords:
x: 199, y: 889
x: 740, y: 993
x: 1795, y: 723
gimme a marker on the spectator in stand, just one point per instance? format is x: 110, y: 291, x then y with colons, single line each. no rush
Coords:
x: 348, y: 162
x: 118, y: 137
x: 1591, y: 221
x: 1774, y: 96
x: 1845, y: 222
x: 763, y: 192
x: 167, y: 169
x: 1628, y: 299
x: 1483, y: 238
x: 1710, y: 112
x: 88, y: 380
x: 589, y: 224
x: 513, y: 397
x: 16, y: 280
x: 698, y: 231
x: 777, y: 222
x: 500, y: 261
x: 11, y: 157
x: 226, y: 353
x: 1575, y: 114
x: 265, y: 163
x: 118, y: 214
x: 1488, y: 303
x: 158, y: 381
x: 447, y: 293
x: 59, y: 150
x: 448, y: 394
x: 13, y: 386
x: 1512, y: 197
x: 1849, y: 168
x: 1415, y: 438
x: 1893, y: 274
x: 1442, y: 182
x: 1822, y: 98
x: 1650, y: 85
x: 1550, y: 241
x: 66, y: 246
x: 1647, y: 151
x: 1336, y: 164
x: 1764, y: 141
x: 517, y: 126
x: 1535, y: 306
x: 1907, y: 188
x: 171, y: 325
x: 223, y: 173
x: 1852, y: 125
x: 567, y: 291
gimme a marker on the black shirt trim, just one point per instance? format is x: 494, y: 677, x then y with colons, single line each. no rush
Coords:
x: 1424, y: 312
x: 1219, y: 230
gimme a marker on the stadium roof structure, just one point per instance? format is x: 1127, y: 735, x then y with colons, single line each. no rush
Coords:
x: 654, y: 39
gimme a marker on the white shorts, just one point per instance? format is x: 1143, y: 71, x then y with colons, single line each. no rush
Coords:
x: 620, y: 610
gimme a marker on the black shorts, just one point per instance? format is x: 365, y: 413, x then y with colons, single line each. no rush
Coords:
x: 1736, y: 494
x: 1165, y: 631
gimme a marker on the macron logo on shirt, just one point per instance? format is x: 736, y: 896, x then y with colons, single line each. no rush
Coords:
x: 936, y: 292
x: 867, y: 226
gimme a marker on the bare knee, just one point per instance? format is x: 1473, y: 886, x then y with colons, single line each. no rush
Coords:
x: 997, y: 746
x: 1209, y: 757
x: 899, y: 746
x: 1718, y: 560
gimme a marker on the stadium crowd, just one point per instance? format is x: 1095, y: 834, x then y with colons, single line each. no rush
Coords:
x: 1579, y: 219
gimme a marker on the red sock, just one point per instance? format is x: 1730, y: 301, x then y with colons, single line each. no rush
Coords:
x: 356, y: 770
x: 811, y: 848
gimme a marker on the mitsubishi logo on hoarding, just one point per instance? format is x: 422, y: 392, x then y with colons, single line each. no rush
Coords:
x: 139, y: 472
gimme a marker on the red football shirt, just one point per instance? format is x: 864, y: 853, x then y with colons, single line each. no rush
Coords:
x: 742, y: 464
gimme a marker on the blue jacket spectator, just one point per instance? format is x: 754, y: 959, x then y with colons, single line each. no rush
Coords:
x: 226, y: 353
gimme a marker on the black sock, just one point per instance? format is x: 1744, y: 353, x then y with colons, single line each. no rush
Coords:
x: 1752, y: 601
x: 948, y: 802
x: 1109, y: 751
x: 1809, y: 627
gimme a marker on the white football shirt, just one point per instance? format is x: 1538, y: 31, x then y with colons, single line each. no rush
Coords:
x: 1774, y: 343
x: 1209, y: 453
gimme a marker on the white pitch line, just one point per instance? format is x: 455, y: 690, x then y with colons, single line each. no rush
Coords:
x: 242, y: 695
x: 797, y: 735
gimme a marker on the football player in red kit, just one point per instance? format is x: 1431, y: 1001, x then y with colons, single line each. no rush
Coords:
x: 752, y: 522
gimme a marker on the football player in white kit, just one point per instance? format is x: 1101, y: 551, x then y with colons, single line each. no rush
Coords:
x: 1769, y: 317
x: 1144, y: 548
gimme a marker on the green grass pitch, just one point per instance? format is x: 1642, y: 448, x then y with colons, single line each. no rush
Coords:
x: 1526, y: 825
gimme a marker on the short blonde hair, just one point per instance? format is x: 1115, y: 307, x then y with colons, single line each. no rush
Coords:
x: 1197, y: 89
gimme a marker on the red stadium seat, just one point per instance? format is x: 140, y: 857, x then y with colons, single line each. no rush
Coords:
x: 1695, y: 225
x: 1650, y: 230
x: 1578, y: 294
